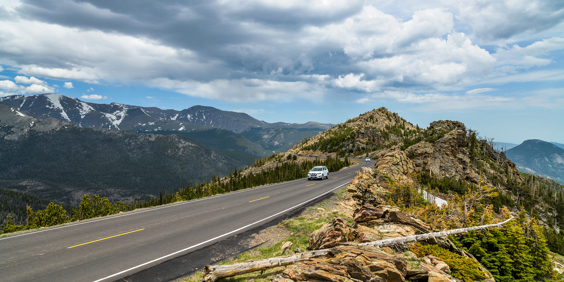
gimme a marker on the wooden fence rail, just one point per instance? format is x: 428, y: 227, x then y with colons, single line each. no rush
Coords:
x: 213, y: 273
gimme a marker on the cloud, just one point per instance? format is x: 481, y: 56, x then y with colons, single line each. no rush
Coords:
x: 93, y: 97
x: 353, y: 81
x: 30, y: 80
x: 9, y: 85
x: 504, y: 19
x: 38, y: 88
x: 244, y: 89
x: 68, y: 85
x: 1, y: 69
x: 90, y: 89
x: 479, y: 90
x: 281, y: 50
x: 13, y: 88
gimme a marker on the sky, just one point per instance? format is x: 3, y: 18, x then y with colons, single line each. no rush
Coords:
x: 496, y: 66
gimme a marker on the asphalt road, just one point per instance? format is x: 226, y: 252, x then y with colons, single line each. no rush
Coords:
x: 109, y: 248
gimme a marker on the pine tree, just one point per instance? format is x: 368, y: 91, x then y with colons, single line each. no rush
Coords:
x: 539, y: 252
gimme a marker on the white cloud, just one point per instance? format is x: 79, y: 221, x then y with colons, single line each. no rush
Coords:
x: 29, y: 80
x: 479, y: 90
x: 90, y: 89
x: 68, y: 85
x: 353, y: 81
x: 9, y: 85
x: 243, y: 89
x: 1, y: 69
x: 93, y: 97
x: 433, y: 62
x: 38, y: 88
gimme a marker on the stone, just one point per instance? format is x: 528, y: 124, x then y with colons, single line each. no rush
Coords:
x: 395, y: 164
x: 348, y: 263
x: 285, y: 246
x: 442, y: 266
x: 332, y: 234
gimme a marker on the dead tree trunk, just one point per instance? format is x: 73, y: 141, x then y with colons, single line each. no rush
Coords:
x: 213, y: 273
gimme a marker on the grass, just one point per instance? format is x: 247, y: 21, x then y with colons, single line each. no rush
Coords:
x: 311, y: 219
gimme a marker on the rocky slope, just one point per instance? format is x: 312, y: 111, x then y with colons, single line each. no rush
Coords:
x: 372, y: 221
x: 539, y: 157
x: 366, y: 133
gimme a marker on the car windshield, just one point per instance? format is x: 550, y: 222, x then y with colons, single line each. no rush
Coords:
x: 316, y: 169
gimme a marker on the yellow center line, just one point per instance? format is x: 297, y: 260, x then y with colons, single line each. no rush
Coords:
x: 259, y: 199
x: 335, y: 177
x: 310, y: 185
x: 105, y: 238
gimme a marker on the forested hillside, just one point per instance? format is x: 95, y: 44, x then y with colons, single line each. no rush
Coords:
x: 61, y: 162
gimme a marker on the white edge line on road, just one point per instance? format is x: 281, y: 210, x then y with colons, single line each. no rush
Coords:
x: 220, y: 236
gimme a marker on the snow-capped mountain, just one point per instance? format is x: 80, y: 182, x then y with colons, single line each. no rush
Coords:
x: 271, y: 136
x: 60, y: 161
x: 127, y: 117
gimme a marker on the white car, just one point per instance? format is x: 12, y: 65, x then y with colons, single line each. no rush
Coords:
x: 318, y: 172
x: 367, y: 159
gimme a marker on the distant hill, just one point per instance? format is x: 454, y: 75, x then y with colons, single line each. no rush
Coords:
x: 539, y: 157
x: 59, y: 161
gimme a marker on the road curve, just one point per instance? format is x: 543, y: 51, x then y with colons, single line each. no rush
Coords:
x: 109, y: 248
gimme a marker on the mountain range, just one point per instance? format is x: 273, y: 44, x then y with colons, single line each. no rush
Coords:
x: 60, y: 161
x: 277, y: 137
x: 539, y: 157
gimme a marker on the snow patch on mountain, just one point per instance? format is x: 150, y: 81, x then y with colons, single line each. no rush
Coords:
x: 84, y: 109
x: 55, y: 100
x: 558, y: 159
x: 174, y: 117
x: 23, y: 102
x: 117, y: 117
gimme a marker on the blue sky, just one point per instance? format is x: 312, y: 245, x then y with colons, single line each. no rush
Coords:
x: 494, y: 65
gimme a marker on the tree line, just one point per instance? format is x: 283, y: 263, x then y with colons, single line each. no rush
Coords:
x: 96, y: 206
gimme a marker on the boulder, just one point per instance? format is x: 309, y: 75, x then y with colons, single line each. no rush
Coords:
x: 348, y: 263
x: 395, y: 164
x: 332, y: 234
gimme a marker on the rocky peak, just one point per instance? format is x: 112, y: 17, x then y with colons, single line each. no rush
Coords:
x: 446, y: 125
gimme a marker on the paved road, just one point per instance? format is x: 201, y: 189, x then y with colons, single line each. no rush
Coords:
x: 106, y: 249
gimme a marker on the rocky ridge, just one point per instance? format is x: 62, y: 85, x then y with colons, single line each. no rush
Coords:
x: 373, y: 220
x: 366, y: 133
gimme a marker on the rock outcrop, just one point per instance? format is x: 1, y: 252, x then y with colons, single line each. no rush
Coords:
x: 396, y: 164
x: 348, y: 263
